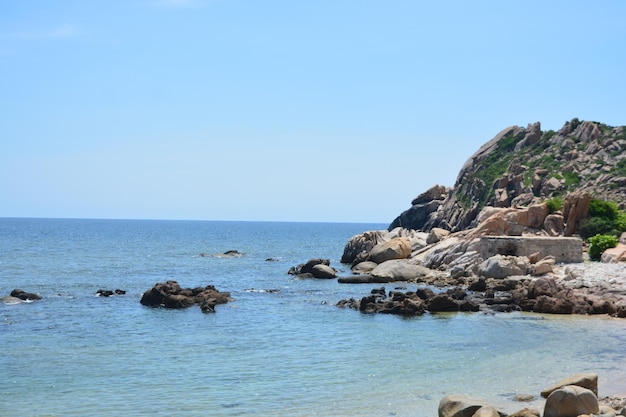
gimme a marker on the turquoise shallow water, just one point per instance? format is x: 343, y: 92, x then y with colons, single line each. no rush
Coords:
x: 284, y: 353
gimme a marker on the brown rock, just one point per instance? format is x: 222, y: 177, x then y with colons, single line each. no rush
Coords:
x: 526, y: 412
x: 571, y: 401
x: 486, y: 411
x: 459, y: 406
x: 323, y: 271
x: 554, y: 224
x: 575, y: 207
x: 537, y: 215
x: 542, y: 286
x: 398, y: 248
x: 589, y: 381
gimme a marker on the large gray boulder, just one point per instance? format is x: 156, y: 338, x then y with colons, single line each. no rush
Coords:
x: 502, y: 266
x: 323, y: 271
x: 364, y: 267
x: 399, y: 270
x: 571, y: 401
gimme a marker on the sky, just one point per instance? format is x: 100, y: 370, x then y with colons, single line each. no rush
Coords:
x: 282, y: 110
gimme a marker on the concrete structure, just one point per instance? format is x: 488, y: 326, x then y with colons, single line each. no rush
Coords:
x: 564, y: 249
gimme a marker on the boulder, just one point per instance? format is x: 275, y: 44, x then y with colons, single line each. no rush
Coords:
x: 537, y: 215
x: 436, y: 234
x: 571, y: 401
x: 554, y: 224
x: 542, y: 286
x: 436, y: 192
x: 323, y: 271
x: 400, y: 270
x: 460, y: 406
x: 364, y: 267
x: 502, y: 266
x: 614, y: 255
x: 442, y: 302
x: 7, y: 299
x: 359, y: 246
x: 306, y: 269
x: 589, y: 381
x: 544, y: 266
x: 398, y: 248
x: 575, y: 207
x: 422, y: 207
x: 25, y: 296
x: 486, y: 411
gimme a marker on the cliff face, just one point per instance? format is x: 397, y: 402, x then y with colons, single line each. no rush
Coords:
x: 522, y: 166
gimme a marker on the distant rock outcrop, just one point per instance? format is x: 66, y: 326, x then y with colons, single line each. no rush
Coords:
x: 522, y: 166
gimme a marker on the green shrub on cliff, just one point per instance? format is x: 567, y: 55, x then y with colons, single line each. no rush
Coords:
x: 604, y: 209
x: 599, y: 243
x: 605, y: 218
x: 554, y: 204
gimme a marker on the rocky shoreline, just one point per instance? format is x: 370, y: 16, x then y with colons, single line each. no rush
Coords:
x: 576, y: 396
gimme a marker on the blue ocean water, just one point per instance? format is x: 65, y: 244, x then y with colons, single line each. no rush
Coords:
x: 285, y: 352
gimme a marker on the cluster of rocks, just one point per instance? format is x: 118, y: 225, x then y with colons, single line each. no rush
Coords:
x: 18, y: 296
x: 314, y: 268
x: 410, y: 303
x: 170, y: 294
x: 515, y: 293
x: 576, y: 396
x: 108, y: 293
x: 507, y: 262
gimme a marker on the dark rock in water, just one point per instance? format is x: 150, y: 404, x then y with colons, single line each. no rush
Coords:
x: 313, y: 268
x: 109, y: 293
x: 23, y: 295
x: 409, y: 303
x: 442, y: 302
x: 170, y: 295
x: 228, y: 254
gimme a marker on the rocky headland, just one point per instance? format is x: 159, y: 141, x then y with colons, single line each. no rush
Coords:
x: 497, y: 240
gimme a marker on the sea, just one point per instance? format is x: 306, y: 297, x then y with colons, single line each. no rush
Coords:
x: 280, y: 348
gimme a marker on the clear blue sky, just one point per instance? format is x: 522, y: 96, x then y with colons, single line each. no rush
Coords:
x: 282, y: 110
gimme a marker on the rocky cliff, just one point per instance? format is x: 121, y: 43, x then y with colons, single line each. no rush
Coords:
x: 523, y: 166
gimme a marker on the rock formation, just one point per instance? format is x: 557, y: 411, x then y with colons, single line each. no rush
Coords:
x: 170, y: 294
x: 496, y: 234
x: 314, y: 268
x: 573, y: 399
x: 522, y: 166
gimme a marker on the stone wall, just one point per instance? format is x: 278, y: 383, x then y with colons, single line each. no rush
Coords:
x: 564, y: 249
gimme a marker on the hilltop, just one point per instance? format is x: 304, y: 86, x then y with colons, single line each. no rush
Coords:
x: 520, y: 167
